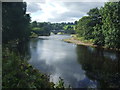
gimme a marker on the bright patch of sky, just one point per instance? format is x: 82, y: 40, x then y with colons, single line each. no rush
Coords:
x: 59, y: 11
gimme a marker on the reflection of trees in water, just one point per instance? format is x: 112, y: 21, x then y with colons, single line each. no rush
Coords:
x: 23, y: 48
x: 98, y: 67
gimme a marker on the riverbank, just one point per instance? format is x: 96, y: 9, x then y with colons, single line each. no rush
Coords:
x: 80, y: 41
x: 77, y: 41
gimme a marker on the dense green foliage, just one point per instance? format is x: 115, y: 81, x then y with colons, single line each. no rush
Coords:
x: 41, y: 29
x: 15, y: 22
x: 66, y: 28
x: 45, y: 28
x: 69, y: 29
x: 17, y: 73
x: 111, y: 24
x: 85, y: 24
x: 102, y: 25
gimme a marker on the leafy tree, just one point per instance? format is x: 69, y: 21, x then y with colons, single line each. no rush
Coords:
x: 17, y: 73
x: 69, y: 29
x: 110, y: 27
x: 75, y: 22
x: 83, y: 28
x: 41, y: 29
x: 15, y: 22
x: 85, y: 25
x: 98, y: 35
x: 34, y: 24
x: 102, y: 25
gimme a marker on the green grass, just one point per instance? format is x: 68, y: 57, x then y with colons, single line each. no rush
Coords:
x: 82, y: 39
x: 33, y: 35
x: 65, y: 27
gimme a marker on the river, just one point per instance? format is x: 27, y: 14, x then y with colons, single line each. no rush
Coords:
x: 79, y: 66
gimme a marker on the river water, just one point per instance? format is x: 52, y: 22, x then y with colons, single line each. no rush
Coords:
x: 79, y: 66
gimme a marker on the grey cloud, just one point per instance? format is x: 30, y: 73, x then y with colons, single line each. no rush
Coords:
x: 75, y: 10
x: 82, y: 6
x: 68, y: 16
x: 33, y: 7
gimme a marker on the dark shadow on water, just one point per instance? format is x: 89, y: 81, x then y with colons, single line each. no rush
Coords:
x: 100, y: 65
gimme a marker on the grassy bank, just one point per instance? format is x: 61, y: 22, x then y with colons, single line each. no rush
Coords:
x: 81, y: 41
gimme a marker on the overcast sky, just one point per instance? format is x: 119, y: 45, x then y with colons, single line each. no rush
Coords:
x: 52, y: 11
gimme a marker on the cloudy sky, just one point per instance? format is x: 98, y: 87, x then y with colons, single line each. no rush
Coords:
x: 53, y: 11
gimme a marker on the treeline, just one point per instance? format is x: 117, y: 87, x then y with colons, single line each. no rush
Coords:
x: 68, y: 28
x: 16, y: 30
x: 101, y: 25
x: 41, y: 29
x: 45, y: 28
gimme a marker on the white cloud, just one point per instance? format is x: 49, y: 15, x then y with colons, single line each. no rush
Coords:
x: 60, y: 11
x: 37, y: 1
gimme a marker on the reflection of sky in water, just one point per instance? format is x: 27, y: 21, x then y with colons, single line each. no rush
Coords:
x: 58, y: 59
x: 55, y: 37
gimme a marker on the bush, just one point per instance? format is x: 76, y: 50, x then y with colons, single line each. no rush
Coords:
x: 18, y: 73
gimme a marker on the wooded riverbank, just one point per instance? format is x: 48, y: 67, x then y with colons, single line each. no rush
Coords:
x: 77, y: 41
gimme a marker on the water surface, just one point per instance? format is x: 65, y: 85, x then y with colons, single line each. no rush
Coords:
x: 79, y: 66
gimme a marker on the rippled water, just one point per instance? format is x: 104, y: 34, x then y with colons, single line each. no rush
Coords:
x: 79, y: 66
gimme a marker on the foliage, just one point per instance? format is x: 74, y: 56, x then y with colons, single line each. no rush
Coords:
x: 83, y: 27
x: 60, y: 84
x: 110, y: 27
x: 18, y: 73
x: 15, y: 22
x: 57, y: 26
x: 98, y: 34
x: 33, y: 34
x: 102, y: 25
x: 41, y: 28
x: 44, y: 28
x: 69, y: 29
x: 85, y: 24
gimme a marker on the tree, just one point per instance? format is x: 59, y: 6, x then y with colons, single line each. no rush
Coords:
x: 111, y: 25
x: 102, y: 25
x: 98, y: 32
x: 83, y: 29
x: 85, y: 25
x: 98, y: 35
x: 42, y: 28
x: 34, y: 24
x: 15, y: 22
x: 75, y: 22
